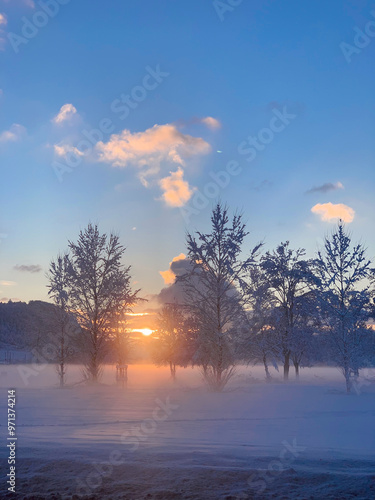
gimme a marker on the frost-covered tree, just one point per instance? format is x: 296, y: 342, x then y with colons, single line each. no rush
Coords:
x: 288, y: 275
x: 212, y: 291
x: 259, y: 341
x: 345, y: 295
x: 122, y: 342
x: 99, y: 290
x: 58, y: 278
x: 306, y: 324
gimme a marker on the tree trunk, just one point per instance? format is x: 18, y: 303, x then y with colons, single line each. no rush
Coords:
x: 62, y: 374
x: 218, y: 379
x: 296, y: 367
x: 286, y: 365
x: 62, y: 358
x: 94, y: 368
x: 347, y: 380
x: 348, y: 385
x: 219, y: 369
x: 268, y: 376
x: 172, y: 368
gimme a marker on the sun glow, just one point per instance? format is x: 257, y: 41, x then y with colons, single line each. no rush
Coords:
x: 144, y: 331
x: 139, y: 314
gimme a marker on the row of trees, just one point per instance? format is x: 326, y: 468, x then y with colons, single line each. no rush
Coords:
x: 270, y: 307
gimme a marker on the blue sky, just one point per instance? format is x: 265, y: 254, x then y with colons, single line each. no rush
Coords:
x: 223, y: 74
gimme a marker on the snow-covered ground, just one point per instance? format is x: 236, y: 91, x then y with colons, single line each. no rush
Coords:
x: 159, y: 440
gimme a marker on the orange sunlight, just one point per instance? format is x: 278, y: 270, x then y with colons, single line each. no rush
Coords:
x: 144, y: 331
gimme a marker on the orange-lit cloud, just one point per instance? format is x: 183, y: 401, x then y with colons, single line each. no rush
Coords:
x: 153, y: 151
x: 146, y: 150
x: 331, y: 212
x: 15, y: 132
x: 67, y: 111
x: 3, y: 22
x: 208, y: 121
x: 168, y: 275
x: 211, y: 123
x: 64, y: 149
x: 28, y: 3
x: 176, y: 191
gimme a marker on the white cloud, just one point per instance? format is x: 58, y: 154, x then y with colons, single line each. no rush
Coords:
x: 176, y: 191
x: 67, y: 111
x: 3, y: 22
x: 15, y: 133
x: 211, y: 123
x: 64, y: 149
x: 330, y: 212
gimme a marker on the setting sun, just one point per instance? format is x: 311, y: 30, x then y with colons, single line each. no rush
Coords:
x: 145, y: 331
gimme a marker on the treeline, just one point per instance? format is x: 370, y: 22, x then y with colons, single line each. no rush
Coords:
x: 25, y: 326
x: 275, y: 307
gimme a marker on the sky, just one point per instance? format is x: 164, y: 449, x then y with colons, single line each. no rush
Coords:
x: 139, y: 116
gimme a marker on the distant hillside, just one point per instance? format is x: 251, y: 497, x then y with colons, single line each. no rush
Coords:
x: 26, y: 326
x: 30, y: 327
